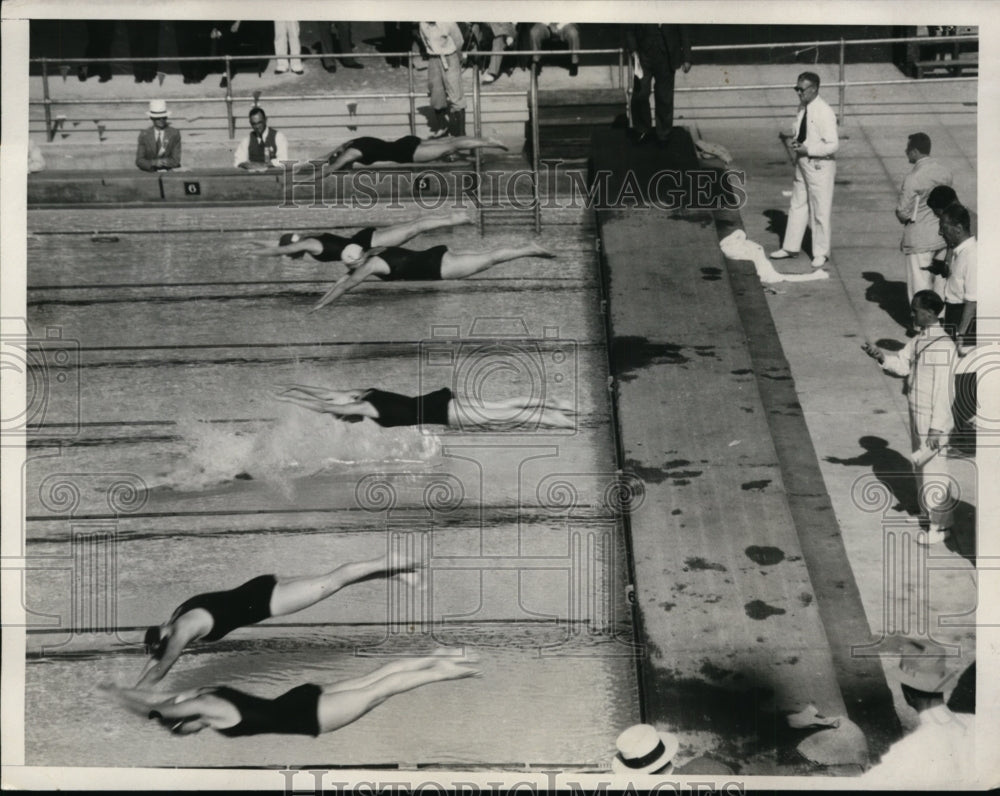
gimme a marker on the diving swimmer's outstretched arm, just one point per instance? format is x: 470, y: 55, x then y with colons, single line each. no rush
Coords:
x: 156, y: 670
x: 345, y: 283
x: 308, y: 245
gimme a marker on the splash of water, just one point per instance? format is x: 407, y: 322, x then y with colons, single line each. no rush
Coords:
x: 296, y: 444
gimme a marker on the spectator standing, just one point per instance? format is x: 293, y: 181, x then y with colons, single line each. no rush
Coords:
x: 342, y: 39
x: 194, y: 41
x: 814, y: 143
x: 565, y: 32
x: 287, y: 47
x: 143, y: 42
x: 960, y: 295
x: 397, y: 38
x: 100, y: 36
x: 159, y: 147
x: 940, y: 751
x: 661, y: 50
x: 960, y: 284
x: 927, y: 362
x: 262, y: 148
x: 921, y: 239
x: 443, y: 41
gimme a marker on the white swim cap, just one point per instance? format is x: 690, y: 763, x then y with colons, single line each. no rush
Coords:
x: 352, y: 254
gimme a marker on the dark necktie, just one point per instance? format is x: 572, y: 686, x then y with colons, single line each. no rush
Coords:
x: 802, y: 126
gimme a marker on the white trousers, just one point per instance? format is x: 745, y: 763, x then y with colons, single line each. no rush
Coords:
x: 812, y: 205
x: 286, y: 42
x: 918, y: 277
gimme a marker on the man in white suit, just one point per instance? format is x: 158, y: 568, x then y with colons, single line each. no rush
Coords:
x: 814, y: 143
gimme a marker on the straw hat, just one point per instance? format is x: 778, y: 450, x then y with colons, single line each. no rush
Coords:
x: 643, y: 750
x: 922, y: 666
x: 158, y: 109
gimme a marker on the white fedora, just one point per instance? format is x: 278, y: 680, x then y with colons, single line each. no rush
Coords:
x: 643, y: 750
x: 158, y: 109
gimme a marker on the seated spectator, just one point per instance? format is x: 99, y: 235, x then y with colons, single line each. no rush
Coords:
x: 35, y: 160
x: 263, y: 148
x: 565, y: 32
x: 159, y: 146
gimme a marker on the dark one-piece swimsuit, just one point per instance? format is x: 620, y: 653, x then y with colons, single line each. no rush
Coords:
x: 239, y: 607
x: 333, y: 245
x: 295, y: 712
x: 403, y: 410
x: 374, y: 150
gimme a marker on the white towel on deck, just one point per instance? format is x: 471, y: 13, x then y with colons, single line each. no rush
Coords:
x: 736, y: 246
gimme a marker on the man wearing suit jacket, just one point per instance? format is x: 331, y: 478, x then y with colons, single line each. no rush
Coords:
x: 661, y: 51
x: 159, y: 146
x: 813, y: 142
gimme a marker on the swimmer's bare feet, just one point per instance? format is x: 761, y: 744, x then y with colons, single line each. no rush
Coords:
x: 538, y: 250
x: 496, y: 142
x: 455, y: 670
x: 563, y: 406
x: 458, y: 218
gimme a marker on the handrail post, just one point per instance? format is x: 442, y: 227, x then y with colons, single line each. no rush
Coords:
x: 413, y: 93
x: 843, y: 88
x: 534, y: 148
x: 477, y: 127
x: 229, y: 100
x: 628, y: 92
x: 50, y: 132
x: 621, y: 68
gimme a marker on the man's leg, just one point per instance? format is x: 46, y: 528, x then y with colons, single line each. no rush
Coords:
x: 540, y: 34
x: 281, y: 45
x: 821, y: 176
x: 569, y: 34
x: 664, y: 99
x: 456, y: 99
x: 917, y: 275
x: 642, y: 117
x: 798, y: 213
x: 439, y: 101
x: 294, y: 46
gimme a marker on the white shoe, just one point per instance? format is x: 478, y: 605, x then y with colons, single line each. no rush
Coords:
x: 933, y: 537
x: 819, y: 262
x: 489, y: 78
x: 781, y: 254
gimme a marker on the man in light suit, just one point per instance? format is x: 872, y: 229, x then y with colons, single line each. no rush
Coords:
x: 661, y: 50
x: 813, y: 142
x: 160, y: 145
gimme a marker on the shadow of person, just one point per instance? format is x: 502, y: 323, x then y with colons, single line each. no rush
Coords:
x: 777, y: 222
x: 891, y: 468
x: 963, y: 696
x: 963, y: 532
x: 890, y: 296
x: 436, y: 121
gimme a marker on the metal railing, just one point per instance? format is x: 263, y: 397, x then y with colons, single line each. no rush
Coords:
x: 625, y: 84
